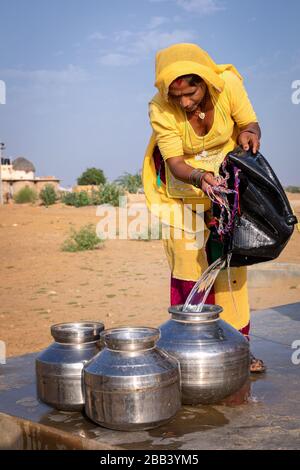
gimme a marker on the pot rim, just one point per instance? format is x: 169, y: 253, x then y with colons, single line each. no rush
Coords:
x: 130, y: 338
x: 209, y: 313
x: 77, y: 332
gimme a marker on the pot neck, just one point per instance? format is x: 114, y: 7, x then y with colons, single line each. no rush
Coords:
x: 77, y: 333
x: 209, y: 313
x: 130, y: 338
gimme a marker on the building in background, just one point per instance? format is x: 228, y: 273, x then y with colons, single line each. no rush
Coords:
x: 19, y: 173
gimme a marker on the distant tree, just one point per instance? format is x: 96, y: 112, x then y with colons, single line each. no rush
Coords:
x: 110, y: 193
x: 93, y: 176
x: 80, y: 199
x: 132, y: 183
x: 48, y: 195
x: 24, y: 195
x: 293, y: 189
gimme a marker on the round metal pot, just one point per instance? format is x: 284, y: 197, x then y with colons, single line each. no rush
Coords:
x: 131, y: 384
x: 213, y: 356
x: 59, y: 367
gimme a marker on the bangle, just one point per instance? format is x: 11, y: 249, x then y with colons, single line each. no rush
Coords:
x: 196, y: 176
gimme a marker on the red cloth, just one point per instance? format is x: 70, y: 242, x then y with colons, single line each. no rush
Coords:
x: 180, y: 290
x: 246, y: 330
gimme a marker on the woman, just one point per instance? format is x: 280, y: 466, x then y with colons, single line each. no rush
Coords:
x: 200, y: 113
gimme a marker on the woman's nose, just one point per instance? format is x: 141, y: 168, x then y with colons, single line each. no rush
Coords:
x: 185, y: 102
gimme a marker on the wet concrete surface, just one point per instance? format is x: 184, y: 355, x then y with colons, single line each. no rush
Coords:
x: 264, y: 415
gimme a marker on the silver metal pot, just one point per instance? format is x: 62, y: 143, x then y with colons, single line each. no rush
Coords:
x: 213, y: 356
x: 131, y: 384
x: 59, y: 367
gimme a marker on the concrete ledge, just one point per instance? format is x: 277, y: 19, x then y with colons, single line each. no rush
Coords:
x: 265, y: 274
x: 18, y: 434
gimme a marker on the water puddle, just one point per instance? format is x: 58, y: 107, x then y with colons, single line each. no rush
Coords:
x: 191, y: 419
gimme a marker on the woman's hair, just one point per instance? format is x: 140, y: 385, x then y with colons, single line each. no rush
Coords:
x: 191, y: 79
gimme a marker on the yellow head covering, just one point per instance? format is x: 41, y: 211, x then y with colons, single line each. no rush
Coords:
x: 184, y: 59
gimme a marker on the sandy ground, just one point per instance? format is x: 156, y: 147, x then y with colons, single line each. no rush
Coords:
x: 124, y: 283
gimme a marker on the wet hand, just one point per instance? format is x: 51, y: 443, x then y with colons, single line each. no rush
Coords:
x: 208, y: 179
x: 248, y: 140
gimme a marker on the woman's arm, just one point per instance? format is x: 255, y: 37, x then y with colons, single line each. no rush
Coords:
x: 249, y: 137
x: 187, y: 174
x: 242, y: 112
x: 170, y: 143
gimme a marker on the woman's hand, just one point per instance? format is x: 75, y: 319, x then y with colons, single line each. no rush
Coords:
x: 249, y: 140
x: 249, y: 137
x: 182, y: 171
x: 208, y: 179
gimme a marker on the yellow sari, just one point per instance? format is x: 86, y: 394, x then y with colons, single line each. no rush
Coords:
x: 174, y: 136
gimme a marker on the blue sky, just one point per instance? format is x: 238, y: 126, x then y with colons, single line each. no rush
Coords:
x: 79, y: 75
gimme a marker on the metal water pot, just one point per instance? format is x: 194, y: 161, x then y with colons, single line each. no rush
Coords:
x: 131, y: 384
x: 59, y: 367
x: 213, y: 356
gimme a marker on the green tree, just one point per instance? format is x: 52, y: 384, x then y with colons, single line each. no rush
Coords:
x: 48, y: 195
x: 25, y: 195
x: 93, y: 176
x: 293, y: 189
x: 110, y: 193
x: 76, y: 199
x: 132, y: 183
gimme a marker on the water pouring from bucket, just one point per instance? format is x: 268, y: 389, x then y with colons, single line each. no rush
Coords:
x: 225, y: 202
x: 198, y: 295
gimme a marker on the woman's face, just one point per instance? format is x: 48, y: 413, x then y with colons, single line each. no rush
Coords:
x: 188, y: 97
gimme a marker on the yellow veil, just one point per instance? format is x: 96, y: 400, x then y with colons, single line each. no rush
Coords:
x: 184, y: 59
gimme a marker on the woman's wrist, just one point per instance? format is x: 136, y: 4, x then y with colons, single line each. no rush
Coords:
x: 252, y: 128
x: 251, y: 131
x: 196, y: 177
